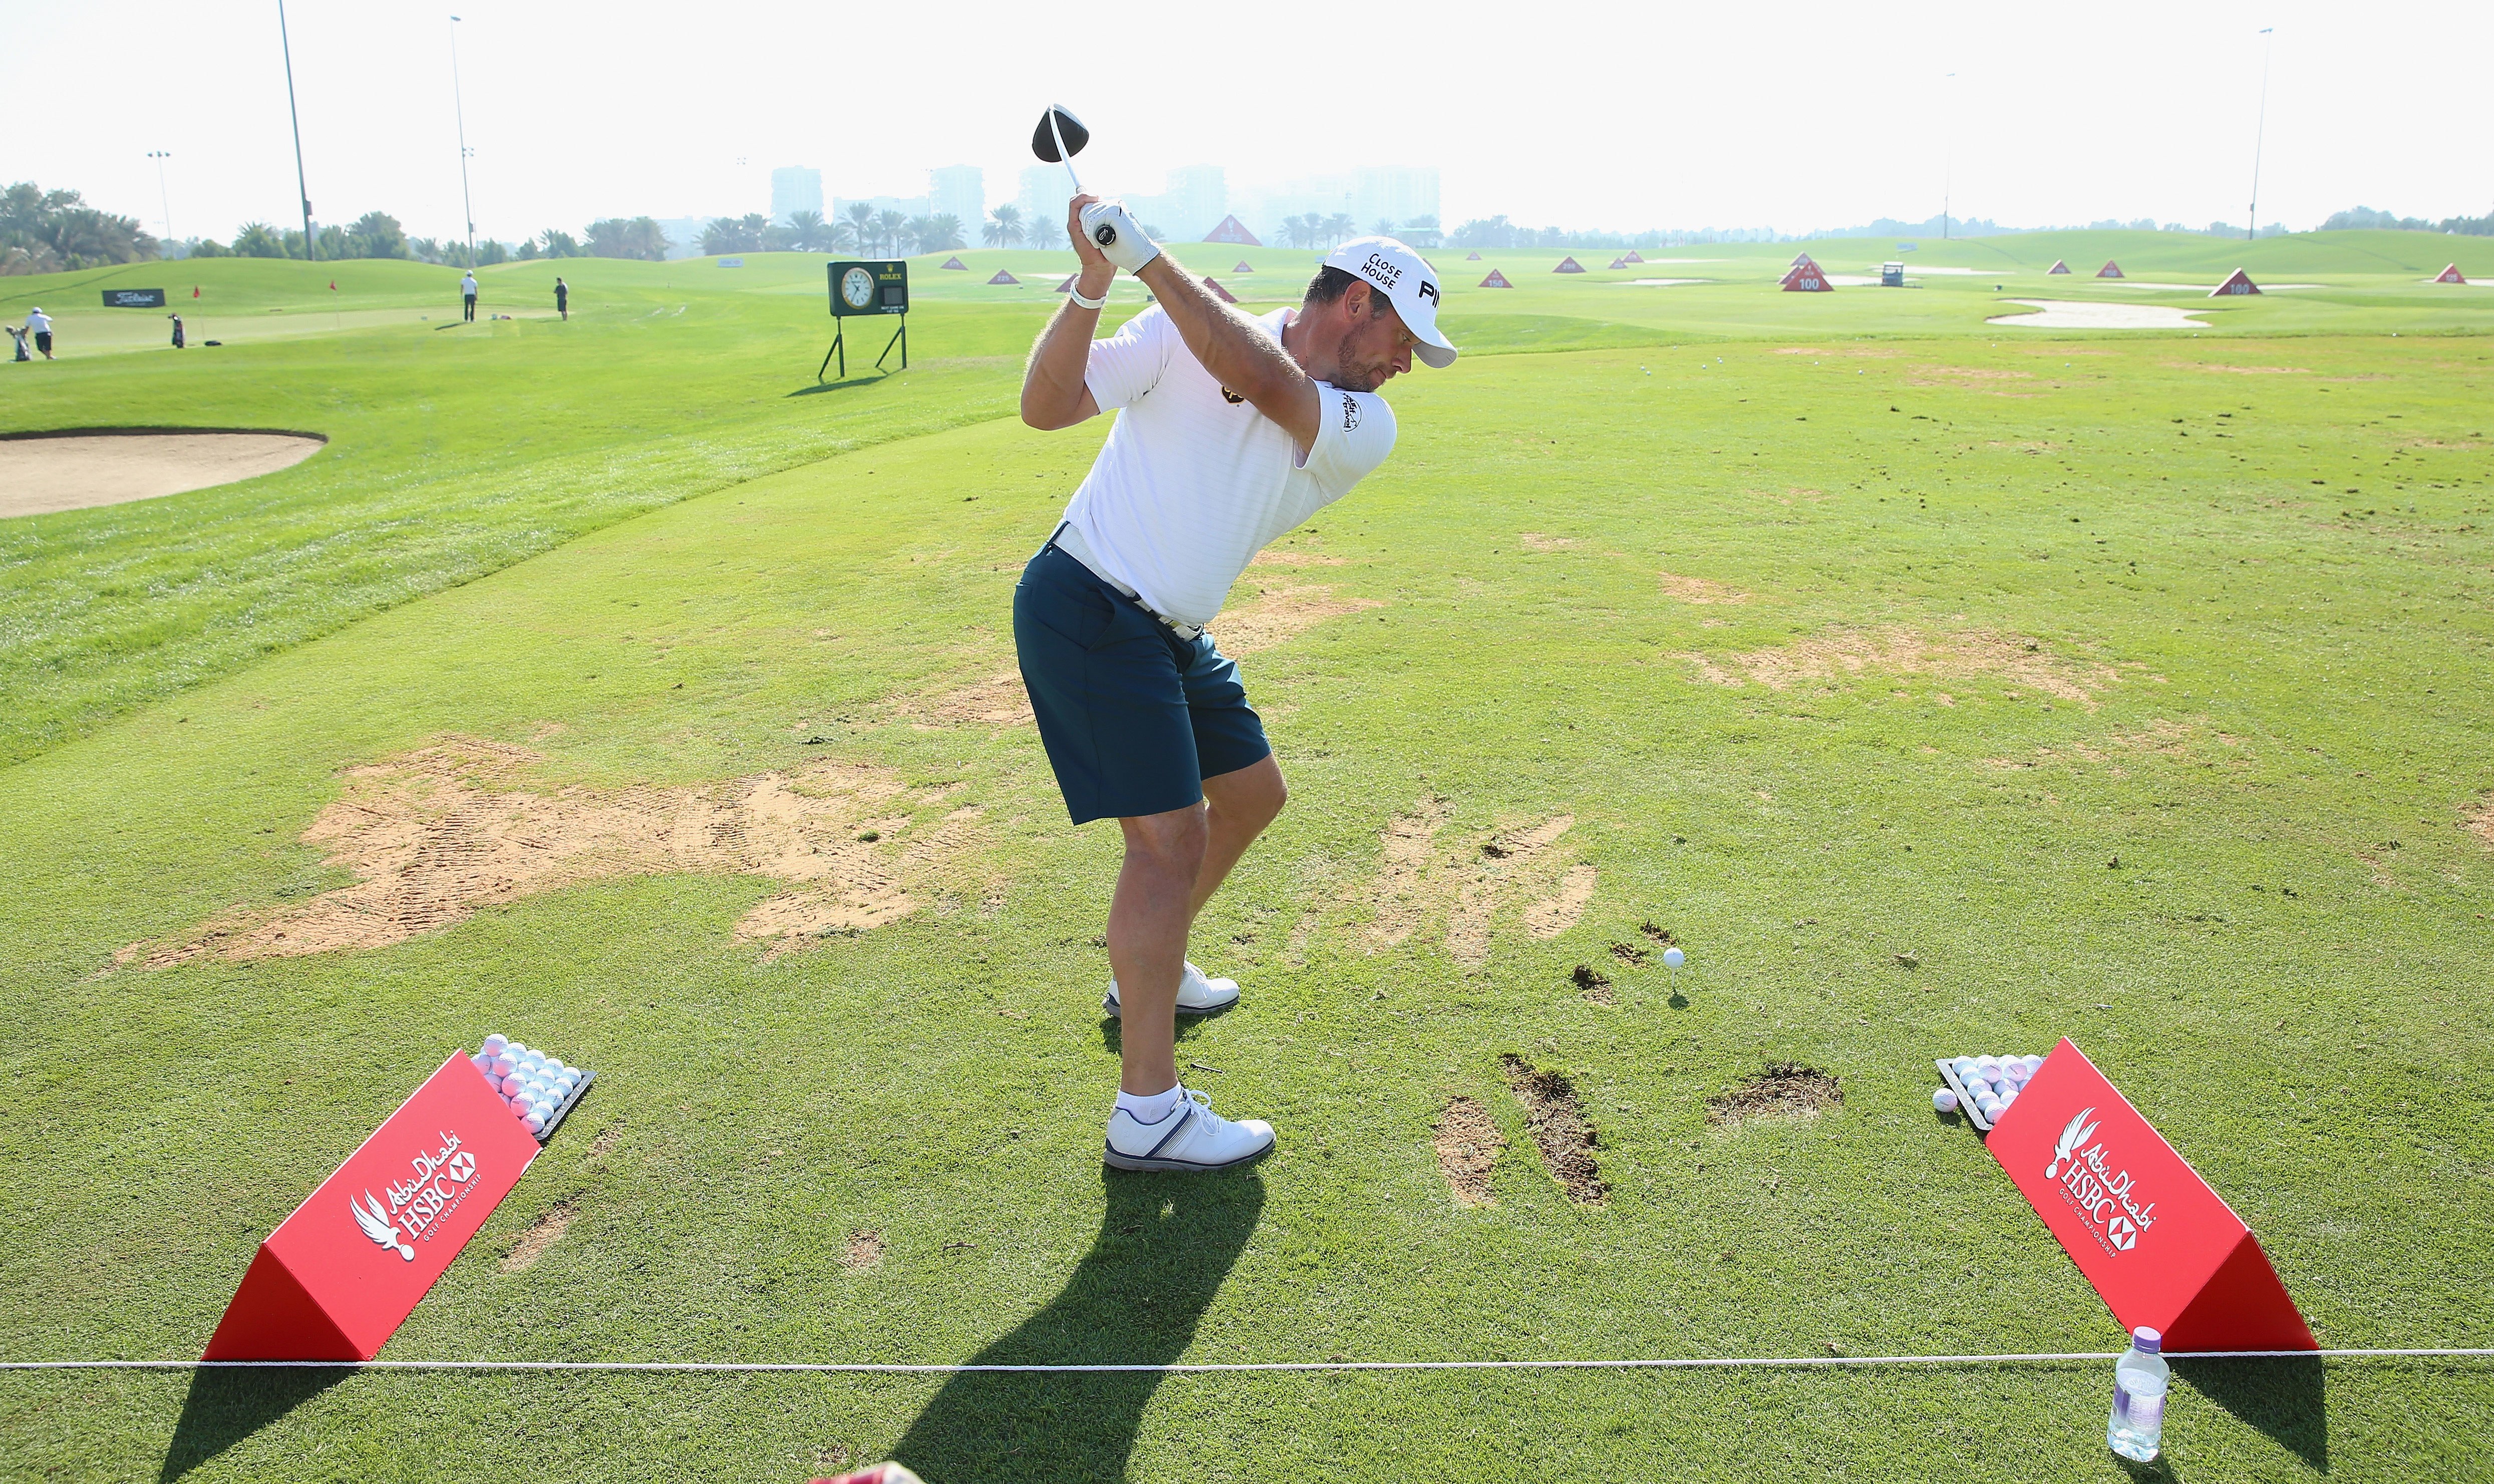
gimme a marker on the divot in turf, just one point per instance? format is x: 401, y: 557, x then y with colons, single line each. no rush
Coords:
x: 1560, y: 1130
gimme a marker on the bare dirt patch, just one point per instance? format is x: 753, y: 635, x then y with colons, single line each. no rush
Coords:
x: 2246, y: 371
x: 542, y: 1234
x: 1965, y: 376
x: 1699, y: 589
x: 1536, y: 541
x: 1784, y: 1090
x: 1628, y: 953
x: 1276, y: 557
x: 864, y: 1251
x: 1418, y: 879
x: 1557, y: 1116
x: 1593, y: 985
x: 435, y: 833
x: 78, y: 470
x: 1277, y: 615
x: 996, y: 703
x: 2161, y: 738
x: 2477, y: 816
x: 1468, y: 1143
x: 1903, y: 650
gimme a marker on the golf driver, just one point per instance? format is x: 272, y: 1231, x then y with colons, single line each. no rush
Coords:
x: 1058, y: 139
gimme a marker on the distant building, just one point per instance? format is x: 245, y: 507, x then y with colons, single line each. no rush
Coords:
x: 906, y: 205
x: 1368, y: 195
x: 1394, y: 192
x: 684, y: 235
x: 793, y: 189
x: 1041, y: 199
x: 963, y: 190
x: 1195, y: 202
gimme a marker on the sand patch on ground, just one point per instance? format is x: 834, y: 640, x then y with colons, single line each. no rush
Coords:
x: 1534, y: 540
x: 1959, y: 375
x: 2477, y: 816
x: 76, y: 472
x: 1272, y: 557
x: 997, y: 702
x: 2088, y: 314
x: 1468, y: 1143
x: 1419, y: 880
x: 542, y: 1234
x: 1902, y: 650
x: 435, y: 834
x: 1699, y: 589
x: 865, y: 1249
x: 2244, y: 371
x: 1275, y: 616
x: 2161, y: 738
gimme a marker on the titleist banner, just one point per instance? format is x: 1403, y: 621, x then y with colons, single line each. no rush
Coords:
x: 337, y: 1278
x: 2158, y: 1244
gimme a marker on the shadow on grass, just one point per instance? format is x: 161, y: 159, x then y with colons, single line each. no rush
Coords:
x: 227, y: 1406
x: 2286, y: 1398
x: 1166, y: 1243
x: 820, y: 387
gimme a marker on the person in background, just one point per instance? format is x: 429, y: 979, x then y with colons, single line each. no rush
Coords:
x: 177, y: 330
x: 41, y: 326
x: 468, y: 292
x: 561, y: 298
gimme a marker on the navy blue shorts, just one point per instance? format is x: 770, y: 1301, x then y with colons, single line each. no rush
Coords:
x: 1134, y: 717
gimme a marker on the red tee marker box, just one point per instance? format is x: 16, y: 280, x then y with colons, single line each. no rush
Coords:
x: 337, y: 1278
x: 2158, y: 1244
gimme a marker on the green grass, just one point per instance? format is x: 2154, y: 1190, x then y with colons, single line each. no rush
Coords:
x: 2258, y: 604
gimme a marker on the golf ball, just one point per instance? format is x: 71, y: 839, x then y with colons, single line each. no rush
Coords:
x: 519, y: 1107
x: 1673, y: 957
x: 504, y: 1066
x: 513, y: 1085
x: 2035, y: 1064
x: 1943, y: 1100
x: 1964, y: 1066
x: 494, y: 1043
x: 533, y: 1123
x: 482, y: 1063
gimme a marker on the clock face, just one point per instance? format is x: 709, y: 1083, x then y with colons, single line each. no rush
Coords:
x: 856, y: 286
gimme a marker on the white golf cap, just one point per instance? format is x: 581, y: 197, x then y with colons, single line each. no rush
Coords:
x: 1409, y: 284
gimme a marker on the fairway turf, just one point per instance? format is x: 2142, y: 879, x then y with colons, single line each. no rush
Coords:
x: 1830, y: 647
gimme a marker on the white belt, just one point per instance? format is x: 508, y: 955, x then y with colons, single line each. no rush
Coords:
x: 1069, y: 540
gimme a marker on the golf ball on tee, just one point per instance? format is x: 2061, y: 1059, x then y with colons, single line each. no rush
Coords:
x: 1943, y: 1100
x: 1673, y: 957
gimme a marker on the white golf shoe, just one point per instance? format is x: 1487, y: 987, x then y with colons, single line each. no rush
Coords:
x: 1193, y: 1139
x: 1197, y: 995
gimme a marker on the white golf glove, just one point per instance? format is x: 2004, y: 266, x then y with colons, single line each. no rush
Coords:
x: 1118, y: 236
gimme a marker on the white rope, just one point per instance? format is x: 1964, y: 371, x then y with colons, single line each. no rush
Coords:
x: 1172, y: 1369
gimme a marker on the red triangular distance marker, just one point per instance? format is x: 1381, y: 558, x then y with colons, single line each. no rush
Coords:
x: 2110, y: 269
x: 2237, y: 282
x: 2449, y: 275
x: 1002, y: 277
x: 2057, y: 266
x: 1569, y: 265
x: 1496, y: 280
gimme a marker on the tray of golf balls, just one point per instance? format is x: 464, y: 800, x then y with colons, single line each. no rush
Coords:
x: 1981, y: 1087
x: 538, y: 1088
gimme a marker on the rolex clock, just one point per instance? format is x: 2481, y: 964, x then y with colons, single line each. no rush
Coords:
x: 870, y: 288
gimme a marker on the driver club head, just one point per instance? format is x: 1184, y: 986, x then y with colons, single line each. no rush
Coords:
x: 1058, y: 139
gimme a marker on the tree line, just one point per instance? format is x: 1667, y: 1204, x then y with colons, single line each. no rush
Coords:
x: 54, y: 232
x: 2366, y: 216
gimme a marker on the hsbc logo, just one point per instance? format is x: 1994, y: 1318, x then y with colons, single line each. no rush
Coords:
x: 2096, y: 1190
x: 441, y: 1181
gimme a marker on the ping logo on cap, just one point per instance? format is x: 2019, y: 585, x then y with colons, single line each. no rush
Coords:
x: 1428, y: 290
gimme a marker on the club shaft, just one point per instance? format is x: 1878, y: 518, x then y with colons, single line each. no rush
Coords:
x: 1062, y: 153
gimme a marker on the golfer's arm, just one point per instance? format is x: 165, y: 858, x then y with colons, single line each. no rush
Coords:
x: 1054, y: 392
x: 1236, y: 350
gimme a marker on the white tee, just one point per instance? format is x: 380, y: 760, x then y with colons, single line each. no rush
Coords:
x: 1194, y: 481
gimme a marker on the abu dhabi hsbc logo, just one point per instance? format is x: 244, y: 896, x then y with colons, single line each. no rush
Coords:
x: 2093, y: 1188
x: 443, y: 1179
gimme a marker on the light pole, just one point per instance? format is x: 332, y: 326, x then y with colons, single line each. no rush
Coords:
x: 160, y: 156
x: 1948, y: 151
x: 459, y: 112
x: 311, y: 248
x: 2260, y: 128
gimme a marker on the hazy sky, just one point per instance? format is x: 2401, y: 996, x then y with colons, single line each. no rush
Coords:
x: 1622, y: 116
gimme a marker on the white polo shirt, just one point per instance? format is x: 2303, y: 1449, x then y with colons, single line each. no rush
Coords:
x: 1194, y: 481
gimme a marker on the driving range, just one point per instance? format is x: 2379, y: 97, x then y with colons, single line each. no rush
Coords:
x: 1938, y: 684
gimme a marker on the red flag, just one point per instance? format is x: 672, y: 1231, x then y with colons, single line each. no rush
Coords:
x: 333, y: 285
x: 194, y: 290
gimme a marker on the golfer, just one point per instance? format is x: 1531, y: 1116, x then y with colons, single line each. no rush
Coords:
x: 468, y: 292
x: 40, y: 326
x: 562, y: 298
x: 1229, y: 430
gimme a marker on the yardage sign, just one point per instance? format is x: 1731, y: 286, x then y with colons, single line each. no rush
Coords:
x: 870, y: 288
x: 133, y: 299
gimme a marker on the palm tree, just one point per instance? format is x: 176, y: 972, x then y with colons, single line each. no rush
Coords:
x: 940, y: 233
x: 838, y: 237
x: 1004, y: 226
x: 1385, y: 227
x: 889, y: 228
x: 807, y: 228
x: 258, y: 239
x: 1339, y: 227
x: 861, y: 217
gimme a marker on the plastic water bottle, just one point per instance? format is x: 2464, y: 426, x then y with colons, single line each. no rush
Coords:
x: 2139, y: 1378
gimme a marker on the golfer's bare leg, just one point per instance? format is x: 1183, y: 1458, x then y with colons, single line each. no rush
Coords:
x: 1237, y: 806
x: 1147, y: 923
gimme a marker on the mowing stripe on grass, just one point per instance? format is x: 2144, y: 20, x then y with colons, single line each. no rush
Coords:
x: 1701, y: 1363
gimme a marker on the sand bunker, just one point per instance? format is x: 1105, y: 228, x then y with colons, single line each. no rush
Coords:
x: 438, y: 833
x: 45, y: 471
x: 1472, y: 885
x: 1901, y: 651
x: 2076, y: 315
